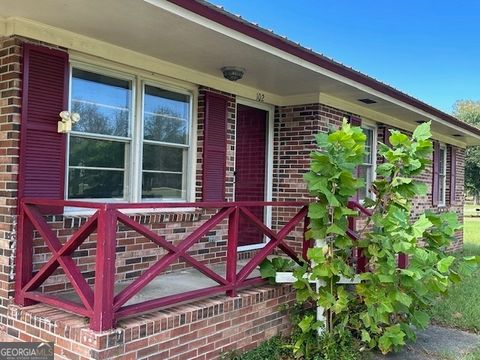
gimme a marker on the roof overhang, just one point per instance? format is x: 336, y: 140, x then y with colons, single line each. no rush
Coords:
x: 192, y: 40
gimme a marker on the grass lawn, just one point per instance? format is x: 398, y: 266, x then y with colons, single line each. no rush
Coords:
x: 461, y: 307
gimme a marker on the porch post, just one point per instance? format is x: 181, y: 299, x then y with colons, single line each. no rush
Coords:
x: 233, y: 221
x: 319, y: 284
x: 103, y: 315
x: 23, y: 257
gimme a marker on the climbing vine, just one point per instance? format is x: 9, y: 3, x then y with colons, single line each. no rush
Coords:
x: 384, y: 308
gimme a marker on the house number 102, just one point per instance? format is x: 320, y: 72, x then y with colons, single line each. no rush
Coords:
x: 260, y: 97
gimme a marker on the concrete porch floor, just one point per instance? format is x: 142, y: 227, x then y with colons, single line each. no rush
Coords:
x: 172, y: 283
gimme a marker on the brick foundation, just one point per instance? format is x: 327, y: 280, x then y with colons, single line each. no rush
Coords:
x: 200, y: 330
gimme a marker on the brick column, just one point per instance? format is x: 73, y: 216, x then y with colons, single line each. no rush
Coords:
x: 10, y: 99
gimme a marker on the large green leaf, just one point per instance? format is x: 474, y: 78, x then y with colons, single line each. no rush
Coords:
x: 400, y: 181
x: 421, y: 319
x: 316, y: 211
x: 397, y: 138
x: 422, y: 224
x: 267, y: 270
x: 403, y: 298
x: 335, y: 229
x: 444, y: 264
x: 385, y: 169
x: 306, y: 323
x: 422, y: 132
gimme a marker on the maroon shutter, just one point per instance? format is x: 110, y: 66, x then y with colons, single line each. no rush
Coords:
x: 435, y: 172
x: 355, y: 121
x: 42, y: 148
x: 453, y: 175
x: 214, y: 147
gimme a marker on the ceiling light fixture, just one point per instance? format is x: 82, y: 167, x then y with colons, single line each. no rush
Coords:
x: 233, y: 73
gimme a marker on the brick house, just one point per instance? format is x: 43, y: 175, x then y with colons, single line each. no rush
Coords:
x: 172, y: 169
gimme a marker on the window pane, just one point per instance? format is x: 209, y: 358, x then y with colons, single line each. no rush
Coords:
x: 155, y: 185
x: 442, y: 161
x: 95, y: 184
x: 368, y: 146
x: 96, y: 153
x: 166, y: 115
x: 362, y: 173
x: 161, y: 128
x: 162, y: 158
x: 103, y: 103
x: 441, y: 189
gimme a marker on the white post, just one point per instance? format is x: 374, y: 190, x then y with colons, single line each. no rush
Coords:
x: 318, y: 284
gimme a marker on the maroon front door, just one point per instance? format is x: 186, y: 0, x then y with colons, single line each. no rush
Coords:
x: 250, y: 163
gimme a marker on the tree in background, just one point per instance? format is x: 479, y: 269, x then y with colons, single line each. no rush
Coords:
x: 469, y: 111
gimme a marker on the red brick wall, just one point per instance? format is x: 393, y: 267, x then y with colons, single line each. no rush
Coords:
x: 295, y: 128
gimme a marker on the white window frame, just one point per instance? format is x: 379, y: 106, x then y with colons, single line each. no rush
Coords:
x: 370, y: 125
x: 133, y: 177
x: 442, y: 175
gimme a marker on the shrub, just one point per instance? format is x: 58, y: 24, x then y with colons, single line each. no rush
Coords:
x: 389, y: 303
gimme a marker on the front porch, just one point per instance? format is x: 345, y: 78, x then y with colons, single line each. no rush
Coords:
x: 138, y: 265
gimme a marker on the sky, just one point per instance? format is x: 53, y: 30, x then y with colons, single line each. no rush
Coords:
x: 429, y: 49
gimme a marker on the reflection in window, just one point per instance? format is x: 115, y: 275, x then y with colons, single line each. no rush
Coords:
x: 103, y: 155
x: 442, y: 175
x: 103, y: 103
x: 365, y: 171
x: 166, y: 124
x: 100, y: 141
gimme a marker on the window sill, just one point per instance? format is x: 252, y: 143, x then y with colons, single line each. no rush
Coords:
x: 72, y: 212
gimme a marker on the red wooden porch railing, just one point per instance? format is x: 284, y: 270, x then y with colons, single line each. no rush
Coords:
x: 101, y: 304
